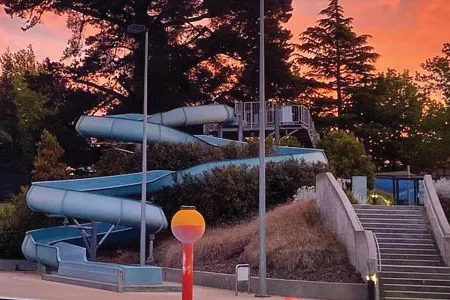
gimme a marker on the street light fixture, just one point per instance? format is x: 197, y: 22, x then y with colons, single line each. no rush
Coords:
x: 139, y: 28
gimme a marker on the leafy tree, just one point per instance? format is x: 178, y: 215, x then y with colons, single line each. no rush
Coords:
x: 47, y: 165
x: 347, y: 156
x: 386, y: 116
x: 19, y: 63
x: 337, y: 57
x: 29, y: 108
x: 10, y: 149
x: 200, y: 51
x: 32, y: 111
x: 436, y: 74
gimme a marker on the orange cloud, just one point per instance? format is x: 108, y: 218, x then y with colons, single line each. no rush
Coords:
x: 405, y: 32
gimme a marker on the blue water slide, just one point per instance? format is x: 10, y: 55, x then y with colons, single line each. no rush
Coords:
x: 104, y: 199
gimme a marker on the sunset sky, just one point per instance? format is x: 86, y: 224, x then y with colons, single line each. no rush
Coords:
x: 405, y: 32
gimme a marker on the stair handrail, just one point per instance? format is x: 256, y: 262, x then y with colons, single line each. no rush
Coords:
x: 378, y: 253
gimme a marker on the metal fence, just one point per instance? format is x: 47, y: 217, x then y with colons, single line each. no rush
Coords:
x: 290, y: 115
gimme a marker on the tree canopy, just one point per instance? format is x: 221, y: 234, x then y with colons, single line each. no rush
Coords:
x: 347, y: 157
x: 199, y: 51
x: 337, y: 57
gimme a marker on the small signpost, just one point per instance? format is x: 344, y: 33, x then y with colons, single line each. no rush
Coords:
x: 188, y: 226
x: 242, y: 274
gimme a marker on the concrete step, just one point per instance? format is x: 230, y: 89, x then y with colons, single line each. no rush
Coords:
x: 391, y: 230
x: 393, y: 220
x: 391, y: 207
x: 414, y: 275
x: 417, y: 269
x: 417, y: 288
x: 404, y: 240
x: 406, y: 230
x: 416, y: 281
x: 394, y: 225
x: 165, y: 287
x: 404, y: 235
x: 402, y: 298
x: 386, y: 250
x: 393, y: 216
x: 389, y: 212
x: 411, y: 262
x: 415, y: 295
x: 407, y: 245
x: 426, y: 257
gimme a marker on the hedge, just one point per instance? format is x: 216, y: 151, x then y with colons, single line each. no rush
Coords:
x: 170, y: 156
x: 230, y: 194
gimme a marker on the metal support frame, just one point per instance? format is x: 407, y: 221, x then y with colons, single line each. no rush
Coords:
x: 120, y: 280
x: 151, y: 255
x: 90, y: 240
x: 93, y: 241
x: 277, y: 117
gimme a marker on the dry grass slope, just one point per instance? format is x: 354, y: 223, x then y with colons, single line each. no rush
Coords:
x: 299, y: 246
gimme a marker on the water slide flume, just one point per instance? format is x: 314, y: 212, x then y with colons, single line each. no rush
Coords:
x: 104, y: 199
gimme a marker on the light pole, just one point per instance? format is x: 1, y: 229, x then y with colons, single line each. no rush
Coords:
x: 262, y: 159
x: 139, y: 28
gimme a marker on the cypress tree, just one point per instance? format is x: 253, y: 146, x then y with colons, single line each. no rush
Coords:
x: 337, y: 57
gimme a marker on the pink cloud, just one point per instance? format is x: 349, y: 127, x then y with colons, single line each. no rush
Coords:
x: 405, y: 32
x: 48, y: 39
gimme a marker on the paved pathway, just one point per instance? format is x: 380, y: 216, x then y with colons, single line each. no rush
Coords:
x: 30, y: 286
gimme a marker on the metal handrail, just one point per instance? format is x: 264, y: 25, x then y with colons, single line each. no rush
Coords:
x: 249, y: 110
x: 378, y: 252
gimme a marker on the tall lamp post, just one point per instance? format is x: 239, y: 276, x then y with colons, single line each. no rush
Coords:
x: 139, y: 28
x: 262, y: 159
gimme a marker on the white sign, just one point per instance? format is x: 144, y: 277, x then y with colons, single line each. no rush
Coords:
x: 243, y: 274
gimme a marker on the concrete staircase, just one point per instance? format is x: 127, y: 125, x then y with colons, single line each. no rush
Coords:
x: 411, y: 265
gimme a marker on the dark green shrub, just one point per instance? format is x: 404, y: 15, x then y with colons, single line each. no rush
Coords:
x: 230, y: 194
x: 347, y: 156
x: 351, y: 197
x: 170, y: 156
x: 18, y: 218
x: 15, y: 222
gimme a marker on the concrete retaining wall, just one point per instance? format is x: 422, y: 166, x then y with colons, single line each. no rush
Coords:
x: 17, y: 265
x: 277, y: 287
x: 338, y: 213
x: 437, y: 218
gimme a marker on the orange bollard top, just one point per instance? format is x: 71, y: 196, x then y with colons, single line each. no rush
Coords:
x: 188, y: 225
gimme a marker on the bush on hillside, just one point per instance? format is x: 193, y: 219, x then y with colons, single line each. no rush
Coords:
x: 18, y: 218
x: 230, y: 194
x: 347, y: 156
x: 47, y: 165
x: 443, y: 188
x: 16, y: 221
x: 299, y: 247
x: 170, y: 156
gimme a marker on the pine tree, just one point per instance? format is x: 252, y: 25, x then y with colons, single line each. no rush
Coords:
x: 46, y: 164
x: 336, y: 56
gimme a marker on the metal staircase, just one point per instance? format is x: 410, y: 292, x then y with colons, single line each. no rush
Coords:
x: 411, y: 265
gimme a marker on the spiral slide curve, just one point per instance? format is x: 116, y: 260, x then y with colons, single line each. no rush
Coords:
x: 103, y: 199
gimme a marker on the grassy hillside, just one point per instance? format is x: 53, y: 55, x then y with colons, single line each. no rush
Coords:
x: 299, y: 246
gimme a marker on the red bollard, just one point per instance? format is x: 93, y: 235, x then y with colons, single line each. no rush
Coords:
x: 188, y: 227
x: 188, y: 271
